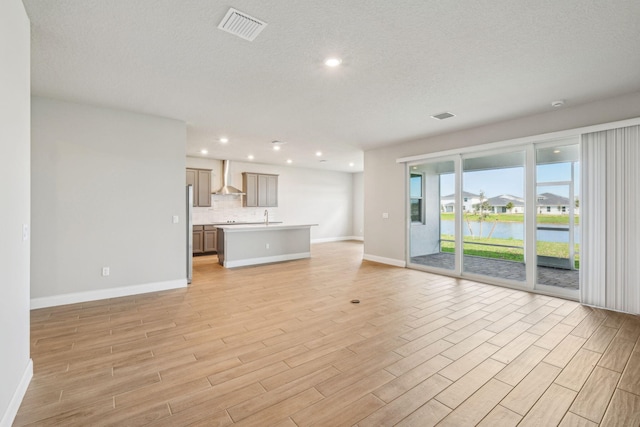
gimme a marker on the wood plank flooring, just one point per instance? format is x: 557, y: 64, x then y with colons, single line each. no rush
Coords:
x: 281, y: 345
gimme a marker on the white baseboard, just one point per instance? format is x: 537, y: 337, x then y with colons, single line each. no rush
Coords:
x: 266, y: 260
x: 383, y: 260
x: 123, y: 291
x: 337, y: 239
x: 12, y: 410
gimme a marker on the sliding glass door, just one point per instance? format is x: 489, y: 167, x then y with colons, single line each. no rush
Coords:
x: 509, y: 216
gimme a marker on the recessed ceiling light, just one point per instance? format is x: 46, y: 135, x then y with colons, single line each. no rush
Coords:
x: 224, y: 140
x: 250, y: 157
x: 289, y: 161
x: 203, y: 151
x: 443, y: 116
x: 556, y: 151
x: 332, y: 62
x: 277, y: 144
x: 318, y: 153
x: 351, y: 164
x: 558, y: 103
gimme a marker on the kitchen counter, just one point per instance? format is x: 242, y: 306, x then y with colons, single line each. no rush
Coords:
x: 251, y: 244
x: 235, y: 227
x: 236, y: 223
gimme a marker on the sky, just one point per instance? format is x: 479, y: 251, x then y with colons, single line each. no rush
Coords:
x: 496, y: 182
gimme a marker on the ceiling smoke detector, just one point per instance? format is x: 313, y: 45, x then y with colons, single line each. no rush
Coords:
x: 557, y: 104
x: 443, y: 116
x: 241, y: 24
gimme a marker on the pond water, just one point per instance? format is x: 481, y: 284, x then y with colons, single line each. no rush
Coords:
x: 513, y: 230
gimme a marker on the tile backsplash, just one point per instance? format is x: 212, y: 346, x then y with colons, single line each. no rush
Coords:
x: 229, y: 208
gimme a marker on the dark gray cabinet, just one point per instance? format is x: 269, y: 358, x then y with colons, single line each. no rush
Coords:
x: 198, y: 239
x: 261, y: 190
x: 200, y: 179
x: 204, y: 239
x: 250, y: 189
x: 210, y: 241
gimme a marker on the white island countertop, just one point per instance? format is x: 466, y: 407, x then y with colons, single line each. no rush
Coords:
x: 261, y: 226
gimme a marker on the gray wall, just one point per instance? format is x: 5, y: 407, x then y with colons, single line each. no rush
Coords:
x: 15, y: 366
x: 385, y: 179
x: 105, y: 185
x: 305, y: 196
x: 358, y: 205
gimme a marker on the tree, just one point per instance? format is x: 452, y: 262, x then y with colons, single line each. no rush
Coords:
x: 509, y: 206
x: 482, y: 210
x: 577, y: 203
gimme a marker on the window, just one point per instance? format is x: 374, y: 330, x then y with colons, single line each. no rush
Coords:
x: 548, y: 208
x: 416, y: 197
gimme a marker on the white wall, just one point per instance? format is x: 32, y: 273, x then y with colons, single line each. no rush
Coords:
x: 358, y: 205
x: 385, y: 239
x: 15, y: 365
x: 105, y: 186
x: 305, y: 196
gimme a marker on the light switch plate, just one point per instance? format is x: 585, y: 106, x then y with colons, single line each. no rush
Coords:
x: 176, y: 219
x: 385, y: 215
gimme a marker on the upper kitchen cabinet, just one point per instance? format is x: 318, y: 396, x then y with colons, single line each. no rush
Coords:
x: 261, y: 190
x: 201, y: 181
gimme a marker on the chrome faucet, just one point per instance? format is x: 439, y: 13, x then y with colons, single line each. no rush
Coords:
x: 266, y: 217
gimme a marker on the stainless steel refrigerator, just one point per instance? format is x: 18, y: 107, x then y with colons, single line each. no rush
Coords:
x: 189, y: 222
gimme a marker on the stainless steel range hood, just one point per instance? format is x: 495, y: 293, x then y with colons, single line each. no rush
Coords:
x: 226, y: 187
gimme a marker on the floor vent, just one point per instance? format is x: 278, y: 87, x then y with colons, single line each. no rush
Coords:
x: 241, y: 24
x: 443, y: 116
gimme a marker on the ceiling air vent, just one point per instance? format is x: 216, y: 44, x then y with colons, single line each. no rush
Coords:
x: 442, y: 116
x: 241, y: 24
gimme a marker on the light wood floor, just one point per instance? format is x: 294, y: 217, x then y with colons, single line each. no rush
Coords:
x: 281, y: 345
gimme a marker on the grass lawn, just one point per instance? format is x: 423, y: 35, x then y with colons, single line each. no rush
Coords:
x: 552, y: 249
x: 506, y: 217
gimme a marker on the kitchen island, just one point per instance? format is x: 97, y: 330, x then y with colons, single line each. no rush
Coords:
x: 252, y: 244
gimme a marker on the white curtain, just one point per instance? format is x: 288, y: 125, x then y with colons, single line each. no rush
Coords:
x: 610, y: 215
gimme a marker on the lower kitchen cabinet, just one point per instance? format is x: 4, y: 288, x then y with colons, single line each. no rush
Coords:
x: 210, y: 241
x: 204, y: 239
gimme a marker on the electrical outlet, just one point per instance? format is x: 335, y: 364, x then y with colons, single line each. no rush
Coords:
x: 105, y: 271
x: 25, y: 232
x: 267, y: 246
x: 176, y: 219
x: 385, y: 215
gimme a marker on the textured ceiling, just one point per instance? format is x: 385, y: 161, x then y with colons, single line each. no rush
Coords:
x: 403, y: 61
